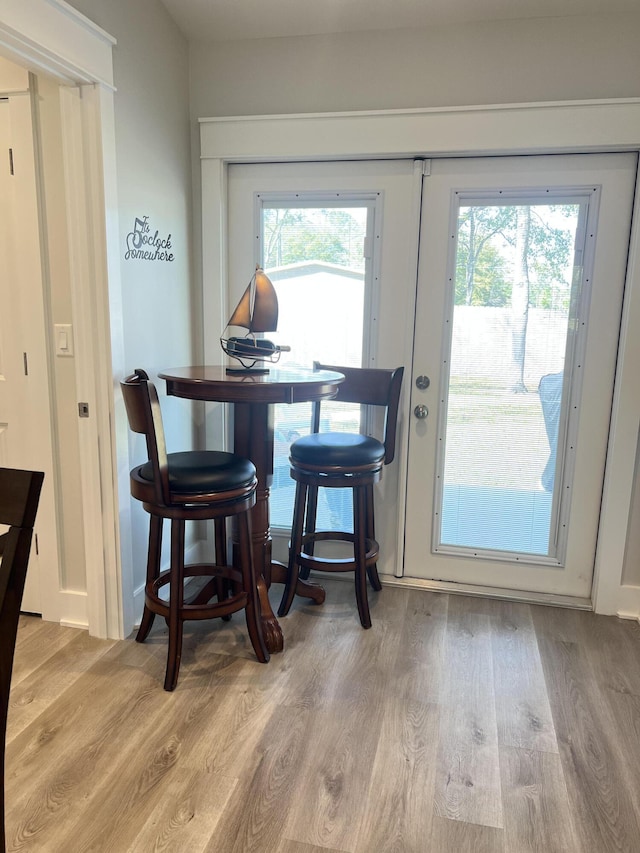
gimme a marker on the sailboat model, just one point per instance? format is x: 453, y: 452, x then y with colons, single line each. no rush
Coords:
x: 257, y: 312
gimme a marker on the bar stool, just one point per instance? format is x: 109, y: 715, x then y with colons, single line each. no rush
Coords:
x: 338, y: 460
x: 193, y: 485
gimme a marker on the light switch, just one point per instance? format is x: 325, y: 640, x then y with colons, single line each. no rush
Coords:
x: 64, y: 338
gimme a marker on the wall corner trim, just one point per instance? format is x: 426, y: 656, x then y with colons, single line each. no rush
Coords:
x: 50, y: 36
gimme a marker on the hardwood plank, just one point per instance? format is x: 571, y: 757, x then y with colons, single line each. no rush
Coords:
x: 142, y: 768
x: 63, y: 758
x: 613, y: 650
x: 257, y: 813
x: 536, y: 804
x: 418, y: 669
x: 31, y: 695
x: 288, y: 846
x: 399, y: 805
x: 603, y: 810
x: 522, y: 706
x: 454, y: 836
x: 613, y: 647
x: 336, y: 768
x: 468, y: 774
x: 332, y: 630
x: 28, y: 625
x: 37, y: 641
x: 624, y: 715
x: 247, y: 695
x: 186, y: 813
x: 55, y: 764
x: 557, y: 623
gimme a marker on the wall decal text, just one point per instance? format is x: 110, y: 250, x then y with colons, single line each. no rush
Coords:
x: 145, y: 245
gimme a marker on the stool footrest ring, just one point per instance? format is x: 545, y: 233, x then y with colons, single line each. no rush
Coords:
x: 334, y: 564
x: 199, y: 610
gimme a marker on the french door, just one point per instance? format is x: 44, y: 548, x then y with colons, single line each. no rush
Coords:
x: 339, y: 242
x: 513, y: 327
x: 520, y: 284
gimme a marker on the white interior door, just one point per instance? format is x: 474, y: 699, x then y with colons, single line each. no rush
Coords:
x: 521, y: 276
x: 25, y: 434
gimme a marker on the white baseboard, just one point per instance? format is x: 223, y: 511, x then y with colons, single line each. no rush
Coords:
x: 629, y: 602
x: 73, y: 609
x: 568, y: 601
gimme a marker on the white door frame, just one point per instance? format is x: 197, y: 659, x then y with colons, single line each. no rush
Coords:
x: 574, y: 127
x: 30, y: 434
x: 49, y: 36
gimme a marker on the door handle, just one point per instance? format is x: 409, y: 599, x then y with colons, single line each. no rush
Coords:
x: 421, y: 412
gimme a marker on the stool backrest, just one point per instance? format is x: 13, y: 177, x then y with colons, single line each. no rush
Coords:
x: 19, y: 497
x: 368, y: 386
x: 145, y: 417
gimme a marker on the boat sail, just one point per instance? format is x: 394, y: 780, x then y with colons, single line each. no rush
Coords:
x: 257, y: 312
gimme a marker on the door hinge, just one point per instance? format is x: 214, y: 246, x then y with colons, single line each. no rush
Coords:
x: 83, y: 410
x: 426, y: 168
x: 11, y: 172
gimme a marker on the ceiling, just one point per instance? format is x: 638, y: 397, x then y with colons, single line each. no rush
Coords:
x: 224, y: 20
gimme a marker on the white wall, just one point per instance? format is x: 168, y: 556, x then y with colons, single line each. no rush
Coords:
x: 13, y: 78
x: 153, y: 161
x: 549, y: 59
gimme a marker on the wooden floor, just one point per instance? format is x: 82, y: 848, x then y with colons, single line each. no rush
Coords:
x: 454, y: 724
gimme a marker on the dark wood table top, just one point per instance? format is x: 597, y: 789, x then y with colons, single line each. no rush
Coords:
x: 279, y: 385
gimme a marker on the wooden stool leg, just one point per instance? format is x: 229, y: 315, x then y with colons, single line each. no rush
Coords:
x: 153, y: 570
x: 310, y: 524
x: 252, y: 610
x: 372, y: 571
x: 176, y: 600
x: 222, y: 584
x: 360, y: 553
x: 294, y: 549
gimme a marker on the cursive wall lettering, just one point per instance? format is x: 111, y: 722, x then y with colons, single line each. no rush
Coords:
x: 144, y: 245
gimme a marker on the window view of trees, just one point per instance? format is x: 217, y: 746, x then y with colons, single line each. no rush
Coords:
x: 514, y: 284
x: 488, y: 236
x: 332, y: 235
x: 519, y: 256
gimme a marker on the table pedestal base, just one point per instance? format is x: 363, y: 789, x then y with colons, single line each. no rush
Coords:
x: 304, y: 589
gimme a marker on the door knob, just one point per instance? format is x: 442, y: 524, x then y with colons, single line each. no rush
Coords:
x: 421, y: 412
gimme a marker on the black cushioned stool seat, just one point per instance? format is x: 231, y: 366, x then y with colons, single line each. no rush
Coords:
x: 196, y: 471
x: 337, y: 449
x: 339, y: 460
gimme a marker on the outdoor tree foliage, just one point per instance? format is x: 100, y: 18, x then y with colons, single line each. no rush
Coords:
x: 294, y: 235
x: 517, y: 256
x: 511, y: 255
x: 487, y: 238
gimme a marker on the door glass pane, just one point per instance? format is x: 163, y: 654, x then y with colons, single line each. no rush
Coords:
x: 515, y: 291
x: 315, y: 258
